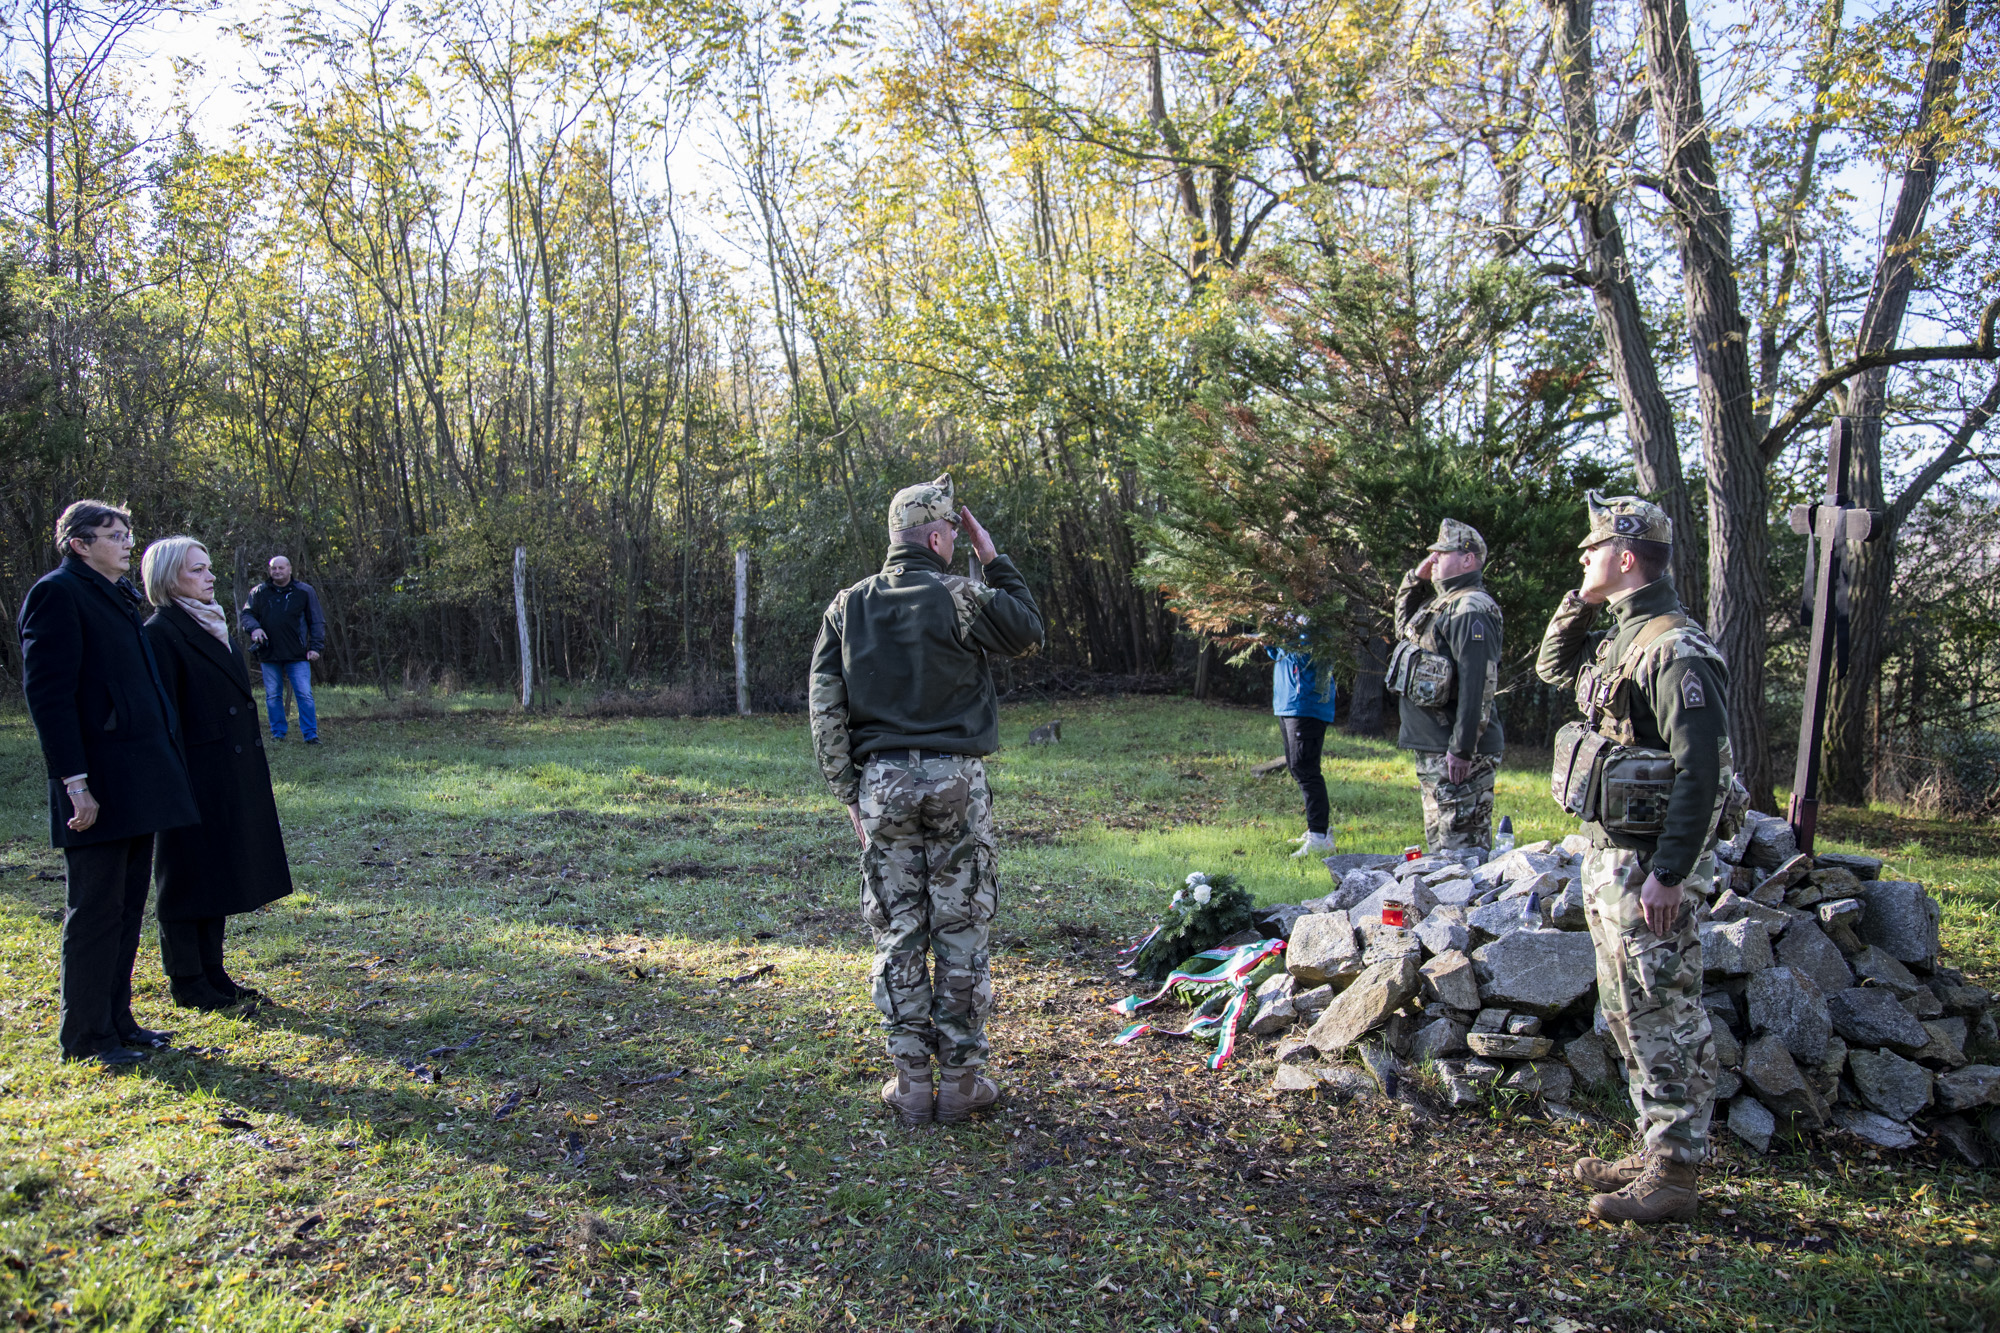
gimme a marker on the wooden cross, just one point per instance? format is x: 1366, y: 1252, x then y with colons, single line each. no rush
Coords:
x: 1832, y: 520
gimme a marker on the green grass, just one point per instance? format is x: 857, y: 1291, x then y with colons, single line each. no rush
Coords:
x: 695, y: 1141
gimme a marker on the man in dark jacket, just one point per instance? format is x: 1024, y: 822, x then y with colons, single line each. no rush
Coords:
x: 903, y: 710
x: 1447, y: 668
x: 283, y: 620
x: 110, y: 739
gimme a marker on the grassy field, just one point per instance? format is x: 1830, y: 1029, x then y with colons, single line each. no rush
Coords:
x: 568, y: 1028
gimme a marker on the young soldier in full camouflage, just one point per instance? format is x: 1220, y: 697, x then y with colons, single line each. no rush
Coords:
x: 1445, y: 615
x: 1654, y: 682
x: 902, y: 711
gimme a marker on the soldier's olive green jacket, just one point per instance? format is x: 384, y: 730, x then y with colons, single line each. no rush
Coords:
x: 1467, y: 629
x: 901, y: 662
x: 1677, y: 703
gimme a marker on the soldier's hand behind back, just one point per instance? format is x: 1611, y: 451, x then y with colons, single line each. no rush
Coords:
x: 982, y: 541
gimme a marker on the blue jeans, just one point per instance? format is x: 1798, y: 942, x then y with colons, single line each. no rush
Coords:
x: 276, y: 674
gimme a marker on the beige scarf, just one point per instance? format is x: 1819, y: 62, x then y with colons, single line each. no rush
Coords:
x: 209, y: 615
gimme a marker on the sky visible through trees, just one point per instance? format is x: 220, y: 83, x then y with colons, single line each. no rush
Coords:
x: 1211, y: 314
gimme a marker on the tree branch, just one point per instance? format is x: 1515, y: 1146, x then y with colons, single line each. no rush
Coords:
x: 1570, y: 273
x: 1984, y: 349
x: 1950, y: 457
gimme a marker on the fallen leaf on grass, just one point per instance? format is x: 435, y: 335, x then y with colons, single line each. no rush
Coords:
x: 657, y: 1078
x: 465, y: 1045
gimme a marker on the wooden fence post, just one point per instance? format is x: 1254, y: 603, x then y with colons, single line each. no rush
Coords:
x: 736, y: 636
x: 521, y: 626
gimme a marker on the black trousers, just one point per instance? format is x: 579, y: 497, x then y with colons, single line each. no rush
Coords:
x: 100, y: 940
x: 192, y: 948
x: 1304, y: 738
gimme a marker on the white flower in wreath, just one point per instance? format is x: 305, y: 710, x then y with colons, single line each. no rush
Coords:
x: 1196, y: 878
x: 1203, y: 893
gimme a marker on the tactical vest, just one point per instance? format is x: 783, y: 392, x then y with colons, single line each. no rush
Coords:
x: 1421, y: 670
x: 1601, y: 773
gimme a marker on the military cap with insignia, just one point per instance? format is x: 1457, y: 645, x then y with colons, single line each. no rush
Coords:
x: 1456, y: 536
x: 925, y: 502
x: 1625, y: 516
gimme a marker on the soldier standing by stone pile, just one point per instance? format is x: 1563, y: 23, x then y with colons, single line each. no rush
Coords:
x: 1649, y: 771
x: 903, y: 709
x: 1445, y: 669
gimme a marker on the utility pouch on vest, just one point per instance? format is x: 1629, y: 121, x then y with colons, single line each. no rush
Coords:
x: 1423, y: 677
x: 1623, y: 788
x: 1634, y: 789
x: 1573, y: 779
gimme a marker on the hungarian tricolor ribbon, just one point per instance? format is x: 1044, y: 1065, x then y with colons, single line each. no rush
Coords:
x: 1233, y: 969
x: 1141, y: 942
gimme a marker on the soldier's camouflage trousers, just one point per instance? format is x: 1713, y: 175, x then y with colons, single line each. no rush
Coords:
x: 1457, y: 814
x: 1650, y: 988
x: 929, y: 888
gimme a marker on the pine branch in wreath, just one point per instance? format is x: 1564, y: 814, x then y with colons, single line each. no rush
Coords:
x: 1203, y: 913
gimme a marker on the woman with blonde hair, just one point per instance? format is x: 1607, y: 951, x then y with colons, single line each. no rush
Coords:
x: 234, y: 860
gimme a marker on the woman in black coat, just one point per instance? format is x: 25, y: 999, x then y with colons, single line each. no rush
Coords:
x: 234, y: 860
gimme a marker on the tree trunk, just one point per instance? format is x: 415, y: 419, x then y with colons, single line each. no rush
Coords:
x: 1366, y: 700
x: 1872, y: 565
x: 1738, y: 489
x: 1649, y: 419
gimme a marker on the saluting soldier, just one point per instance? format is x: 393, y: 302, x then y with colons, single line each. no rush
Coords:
x: 1445, y: 670
x: 1650, y: 771
x: 903, y: 710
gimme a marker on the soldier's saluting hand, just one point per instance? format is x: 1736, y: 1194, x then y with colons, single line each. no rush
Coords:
x: 903, y: 710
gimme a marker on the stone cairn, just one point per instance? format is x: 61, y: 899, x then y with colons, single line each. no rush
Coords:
x: 1830, y: 1005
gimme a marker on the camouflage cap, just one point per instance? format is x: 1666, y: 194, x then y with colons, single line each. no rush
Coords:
x: 925, y: 502
x: 1625, y: 516
x: 1456, y: 536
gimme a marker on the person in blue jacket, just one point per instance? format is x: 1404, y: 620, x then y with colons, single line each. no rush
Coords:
x: 1302, y: 699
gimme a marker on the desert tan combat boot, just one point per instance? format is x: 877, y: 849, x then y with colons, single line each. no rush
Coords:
x: 1609, y: 1176
x: 909, y: 1093
x: 1664, y: 1192
x: 963, y: 1091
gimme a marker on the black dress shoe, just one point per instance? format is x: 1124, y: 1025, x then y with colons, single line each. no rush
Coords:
x: 196, y: 993
x: 111, y: 1055
x: 232, y: 989
x: 138, y: 1038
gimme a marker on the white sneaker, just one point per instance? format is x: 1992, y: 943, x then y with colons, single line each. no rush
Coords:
x: 1316, y: 844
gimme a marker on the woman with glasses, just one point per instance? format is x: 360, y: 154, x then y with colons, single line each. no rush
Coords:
x: 234, y: 860
x: 116, y: 778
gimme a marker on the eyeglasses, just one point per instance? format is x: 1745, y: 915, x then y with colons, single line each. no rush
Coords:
x: 115, y: 538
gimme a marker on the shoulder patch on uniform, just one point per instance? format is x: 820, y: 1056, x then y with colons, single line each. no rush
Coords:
x: 1692, y: 694
x: 1478, y: 627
